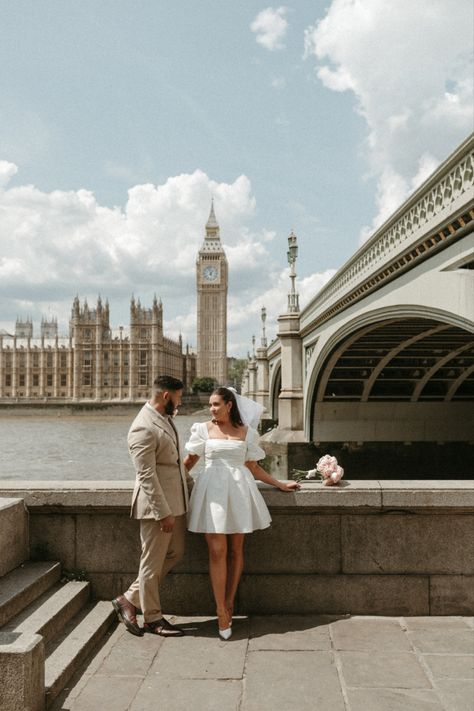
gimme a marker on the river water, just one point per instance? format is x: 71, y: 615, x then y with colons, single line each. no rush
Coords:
x: 55, y: 446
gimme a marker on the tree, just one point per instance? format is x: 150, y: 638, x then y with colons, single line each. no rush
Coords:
x: 203, y: 385
x: 236, y: 371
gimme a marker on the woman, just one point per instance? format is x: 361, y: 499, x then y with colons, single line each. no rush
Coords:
x: 225, y: 502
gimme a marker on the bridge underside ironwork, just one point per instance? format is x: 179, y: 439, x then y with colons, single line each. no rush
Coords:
x: 412, y: 360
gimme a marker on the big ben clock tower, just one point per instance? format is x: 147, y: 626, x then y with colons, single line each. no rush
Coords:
x: 212, y: 282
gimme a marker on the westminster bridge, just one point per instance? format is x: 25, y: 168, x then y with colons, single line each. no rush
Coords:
x: 385, y: 351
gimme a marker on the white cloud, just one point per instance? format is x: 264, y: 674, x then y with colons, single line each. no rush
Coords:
x: 7, y: 171
x: 270, y: 26
x: 409, y: 65
x: 54, y: 245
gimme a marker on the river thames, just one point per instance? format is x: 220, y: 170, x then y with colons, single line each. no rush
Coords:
x: 55, y: 446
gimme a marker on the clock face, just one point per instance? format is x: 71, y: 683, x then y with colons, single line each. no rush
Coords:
x: 210, y: 273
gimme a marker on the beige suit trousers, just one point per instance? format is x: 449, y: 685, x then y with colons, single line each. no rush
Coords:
x: 160, y: 552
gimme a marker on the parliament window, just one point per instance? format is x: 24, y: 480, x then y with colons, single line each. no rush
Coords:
x: 63, y: 379
x: 21, y: 381
x: 142, y: 379
x: 63, y: 360
x: 49, y: 360
x: 8, y: 380
x: 49, y: 380
x: 143, y: 357
x: 87, y: 357
x: 35, y: 360
x: 35, y: 379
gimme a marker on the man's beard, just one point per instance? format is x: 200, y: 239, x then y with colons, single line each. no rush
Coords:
x: 169, y: 408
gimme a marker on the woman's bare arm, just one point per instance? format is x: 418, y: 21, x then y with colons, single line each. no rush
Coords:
x: 262, y: 475
x: 190, y: 460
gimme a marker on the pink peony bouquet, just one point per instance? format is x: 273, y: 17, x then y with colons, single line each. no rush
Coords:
x: 327, y: 469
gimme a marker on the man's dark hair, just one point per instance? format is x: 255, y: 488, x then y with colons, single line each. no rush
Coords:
x: 167, y: 382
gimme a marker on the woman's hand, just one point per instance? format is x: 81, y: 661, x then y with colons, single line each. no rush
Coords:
x: 289, y: 486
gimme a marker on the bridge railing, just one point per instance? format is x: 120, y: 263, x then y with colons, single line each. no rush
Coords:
x: 443, y: 196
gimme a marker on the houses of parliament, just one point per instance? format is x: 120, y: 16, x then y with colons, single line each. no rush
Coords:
x: 97, y: 363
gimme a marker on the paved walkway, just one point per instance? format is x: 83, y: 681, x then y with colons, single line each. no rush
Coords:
x: 285, y: 663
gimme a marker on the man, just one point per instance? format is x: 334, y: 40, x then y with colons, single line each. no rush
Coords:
x: 160, y: 502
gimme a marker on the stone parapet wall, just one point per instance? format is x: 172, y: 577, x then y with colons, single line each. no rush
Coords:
x: 365, y: 547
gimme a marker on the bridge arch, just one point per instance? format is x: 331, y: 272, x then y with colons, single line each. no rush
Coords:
x: 393, y: 374
x: 274, y: 388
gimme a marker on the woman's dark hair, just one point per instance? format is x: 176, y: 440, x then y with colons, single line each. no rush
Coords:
x: 228, y: 396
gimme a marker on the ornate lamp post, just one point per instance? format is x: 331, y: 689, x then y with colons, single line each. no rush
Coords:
x: 293, y: 299
x: 263, y: 316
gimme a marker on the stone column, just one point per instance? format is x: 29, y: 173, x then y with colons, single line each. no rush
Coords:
x: 70, y: 372
x: 121, y: 368
x: 42, y: 369
x: 252, y: 370
x: 244, y: 388
x: 98, y: 363
x: 154, y: 351
x: 291, y: 396
x: 131, y: 370
x: 56, y: 376
x: 14, y: 368
x: 77, y: 358
x: 2, y: 370
x: 28, y: 375
x: 261, y: 391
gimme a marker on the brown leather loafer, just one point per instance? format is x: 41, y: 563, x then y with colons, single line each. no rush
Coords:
x: 128, y: 614
x: 163, y: 628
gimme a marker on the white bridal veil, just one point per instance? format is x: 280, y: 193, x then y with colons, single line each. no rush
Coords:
x: 250, y: 411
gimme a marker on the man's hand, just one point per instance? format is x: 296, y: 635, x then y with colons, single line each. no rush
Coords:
x: 166, y: 524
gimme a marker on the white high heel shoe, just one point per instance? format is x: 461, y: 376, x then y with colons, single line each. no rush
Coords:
x: 225, y: 634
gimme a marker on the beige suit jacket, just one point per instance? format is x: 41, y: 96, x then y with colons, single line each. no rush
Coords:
x: 162, y: 483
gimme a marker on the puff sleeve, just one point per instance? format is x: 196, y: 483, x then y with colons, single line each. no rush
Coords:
x: 254, y: 452
x: 197, y: 442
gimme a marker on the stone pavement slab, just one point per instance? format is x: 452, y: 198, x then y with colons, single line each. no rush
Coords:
x: 102, y: 693
x: 450, y: 666
x: 285, y: 632
x: 393, y: 700
x: 201, y: 654
x: 412, y: 624
x: 457, y: 695
x: 450, y: 641
x: 284, y: 662
x: 366, y: 635
x: 291, y: 680
x: 399, y: 670
x: 188, y: 694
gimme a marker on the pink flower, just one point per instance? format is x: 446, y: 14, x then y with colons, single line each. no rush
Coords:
x: 337, y: 474
x: 326, y: 466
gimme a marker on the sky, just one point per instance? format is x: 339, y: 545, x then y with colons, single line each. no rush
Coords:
x: 121, y: 119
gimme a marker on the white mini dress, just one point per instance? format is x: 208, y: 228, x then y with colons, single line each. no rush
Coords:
x: 225, y: 497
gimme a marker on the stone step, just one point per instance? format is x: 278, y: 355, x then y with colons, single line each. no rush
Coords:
x: 52, y: 611
x: 67, y: 657
x: 25, y: 584
x: 14, y: 544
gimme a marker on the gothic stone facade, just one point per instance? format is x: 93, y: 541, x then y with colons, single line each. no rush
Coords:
x: 92, y: 363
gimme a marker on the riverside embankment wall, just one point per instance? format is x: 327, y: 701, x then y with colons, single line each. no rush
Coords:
x: 364, y: 547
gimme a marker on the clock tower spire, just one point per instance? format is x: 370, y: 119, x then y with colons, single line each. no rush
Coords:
x: 212, y: 285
